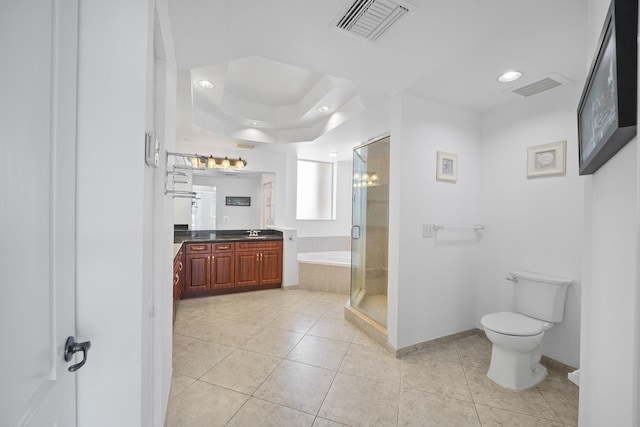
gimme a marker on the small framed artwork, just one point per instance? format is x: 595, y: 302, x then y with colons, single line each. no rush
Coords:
x: 447, y: 167
x: 237, y: 201
x: 547, y: 159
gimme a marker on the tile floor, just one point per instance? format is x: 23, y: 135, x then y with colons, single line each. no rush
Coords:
x: 288, y: 358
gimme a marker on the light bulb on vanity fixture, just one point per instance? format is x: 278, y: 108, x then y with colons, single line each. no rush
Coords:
x: 240, y: 164
x: 225, y: 162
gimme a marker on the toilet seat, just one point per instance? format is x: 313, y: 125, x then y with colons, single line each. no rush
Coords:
x: 515, y: 324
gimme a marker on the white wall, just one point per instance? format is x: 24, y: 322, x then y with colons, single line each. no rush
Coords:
x: 610, y: 336
x: 532, y: 224
x: 110, y: 196
x: 432, y: 280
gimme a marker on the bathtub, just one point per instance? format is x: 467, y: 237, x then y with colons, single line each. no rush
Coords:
x: 340, y: 258
x: 325, y: 271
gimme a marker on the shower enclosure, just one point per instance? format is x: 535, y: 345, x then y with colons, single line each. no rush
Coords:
x: 370, y: 229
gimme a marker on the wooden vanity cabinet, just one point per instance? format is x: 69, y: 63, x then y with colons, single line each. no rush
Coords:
x: 258, y: 263
x: 216, y: 268
x: 178, y: 277
x: 222, y: 271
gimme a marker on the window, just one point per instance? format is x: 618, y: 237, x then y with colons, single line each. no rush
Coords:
x: 315, y: 190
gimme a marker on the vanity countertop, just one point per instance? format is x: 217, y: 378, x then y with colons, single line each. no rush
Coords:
x: 180, y: 237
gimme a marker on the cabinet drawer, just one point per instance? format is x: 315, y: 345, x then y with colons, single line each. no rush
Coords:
x: 222, y: 247
x: 199, y: 248
x: 253, y: 246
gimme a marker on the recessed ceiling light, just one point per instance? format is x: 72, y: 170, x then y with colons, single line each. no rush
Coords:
x: 333, y: 154
x: 206, y: 84
x: 254, y: 124
x: 323, y: 109
x: 509, y: 76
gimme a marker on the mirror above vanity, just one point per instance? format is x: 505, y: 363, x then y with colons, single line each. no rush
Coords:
x: 221, y: 198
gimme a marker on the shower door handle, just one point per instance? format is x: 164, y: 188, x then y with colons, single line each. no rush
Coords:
x: 355, y: 232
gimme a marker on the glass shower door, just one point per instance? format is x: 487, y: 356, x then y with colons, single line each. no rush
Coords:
x: 370, y: 229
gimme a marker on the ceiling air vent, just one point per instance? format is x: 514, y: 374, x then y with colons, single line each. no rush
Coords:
x: 537, y: 86
x: 245, y: 146
x: 370, y: 18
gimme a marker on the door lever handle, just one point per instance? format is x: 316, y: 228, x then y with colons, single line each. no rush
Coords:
x: 71, y: 347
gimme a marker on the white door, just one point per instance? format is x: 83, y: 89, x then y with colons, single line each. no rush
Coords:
x: 38, y: 51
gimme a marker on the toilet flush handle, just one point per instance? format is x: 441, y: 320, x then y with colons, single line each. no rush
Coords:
x: 512, y: 279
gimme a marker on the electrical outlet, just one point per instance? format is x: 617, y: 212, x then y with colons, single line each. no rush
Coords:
x: 428, y: 230
x: 225, y: 220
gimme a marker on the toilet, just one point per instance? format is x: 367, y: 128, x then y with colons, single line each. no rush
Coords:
x: 517, y: 337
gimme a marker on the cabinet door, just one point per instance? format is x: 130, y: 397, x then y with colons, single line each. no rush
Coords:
x: 222, y: 270
x: 198, y: 272
x: 271, y: 267
x: 247, y: 268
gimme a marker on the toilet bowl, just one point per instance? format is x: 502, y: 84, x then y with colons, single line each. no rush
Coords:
x: 517, y: 336
x: 517, y: 349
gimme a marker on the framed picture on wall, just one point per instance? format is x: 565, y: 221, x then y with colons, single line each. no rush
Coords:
x: 547, y: 159
x: 447, y: 167
x: 607, y: 108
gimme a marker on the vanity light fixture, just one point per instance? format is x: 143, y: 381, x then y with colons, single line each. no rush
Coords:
x: 206, y: 84
x: 323, y: 109
x: 509, y: 76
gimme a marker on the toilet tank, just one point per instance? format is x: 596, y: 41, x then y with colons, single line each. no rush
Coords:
x: 540, y: 296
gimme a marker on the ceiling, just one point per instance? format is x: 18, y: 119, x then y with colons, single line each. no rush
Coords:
x: 275, y: 62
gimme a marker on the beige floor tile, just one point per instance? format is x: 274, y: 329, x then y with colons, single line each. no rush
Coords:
x: 310, y: 307
x: 329, y: 297
x: 493, y: 417
x: 242, y: 371
x: 203, y: 404
x: 436, y: 376
x: 258, y: 412
x: 357, y: 401
x: 295, y: 322
x: 233, y: 333
x: 198, y: 357
x: 563, y: 398
x: 372, y: 362
x: 258, y: 314
x: 336, y: 311
x: 229, y: 309
x: 335, y: 329
x: 179, y: 383
x: 272, y: 342
x: 425, y: 409
x: 296, y: 385
x: 181, y: 341
x: 194, y: 326
x: 321, y: 352
x: 361, y: 339
x: 486, y: 392
x: 439, y: 353
x: 281, y: 301
x: 474, y: 351
x: 322, y: 422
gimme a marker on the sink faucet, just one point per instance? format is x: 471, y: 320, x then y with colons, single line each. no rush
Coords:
x: 253, y: 233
